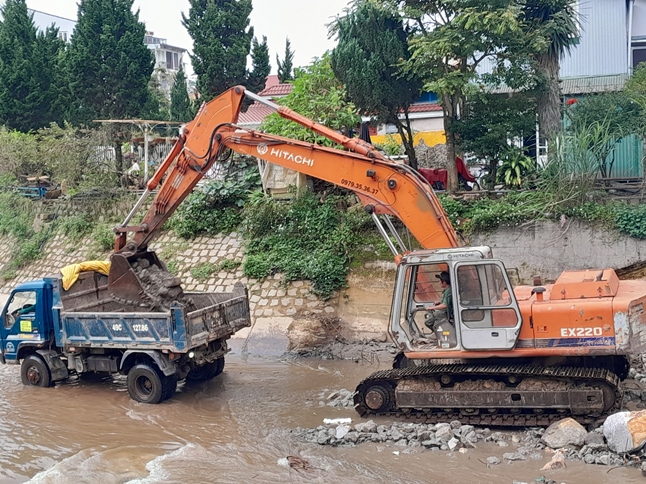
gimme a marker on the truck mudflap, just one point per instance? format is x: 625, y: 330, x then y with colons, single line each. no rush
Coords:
x: 57, y: 368
x: 220, y: 315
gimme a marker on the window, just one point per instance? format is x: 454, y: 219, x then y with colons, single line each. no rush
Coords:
x: 175, y: 61
x: 22, y: 303
x: 169, y: 60
x: 484, y: 297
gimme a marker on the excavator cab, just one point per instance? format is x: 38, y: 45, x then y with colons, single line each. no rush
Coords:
x: 482, y: 313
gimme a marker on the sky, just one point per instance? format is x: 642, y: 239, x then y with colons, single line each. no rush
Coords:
x: 303, y: 21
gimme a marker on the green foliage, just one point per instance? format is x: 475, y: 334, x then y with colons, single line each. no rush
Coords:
x: 217, y: 206
x: 204, y: 270
x: 109, y: 64
x: 76, y: 227
x: 103, y: 237
x: 180, y: 104
x: 16, y: 220
x: 490, y: 122
x: 285, y: 67
x: 64, y: 154
x: 632, y: 221
x: 303, y: 239
x: 390, y: 146
x: 318, y: 95
x: 260, y: 67
x: 29, y: 70
x: 221, y: 42
x: 373, y: 44
x: 515, y: 166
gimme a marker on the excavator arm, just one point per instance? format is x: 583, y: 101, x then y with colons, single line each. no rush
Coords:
x: 383, y: 186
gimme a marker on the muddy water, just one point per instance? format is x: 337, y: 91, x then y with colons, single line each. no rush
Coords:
x: 232, y: 429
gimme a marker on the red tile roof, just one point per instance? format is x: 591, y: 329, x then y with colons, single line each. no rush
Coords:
x: 255, y: 114
x: 271, y: 81
x: 277, y: 90
x: 424, y: 107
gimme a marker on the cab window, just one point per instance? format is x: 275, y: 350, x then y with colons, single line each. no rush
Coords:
x: 21, y: 303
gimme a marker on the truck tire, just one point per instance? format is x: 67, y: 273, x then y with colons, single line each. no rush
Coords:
x: 34, y: 372
x: 206, y: 371
x: 169, y: 384
x: 145, y: 384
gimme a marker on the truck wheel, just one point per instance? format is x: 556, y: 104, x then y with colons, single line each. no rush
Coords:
x: 145, y: 384
x: 218, y: 366
x: 169, y: 384
x: 34, y: 372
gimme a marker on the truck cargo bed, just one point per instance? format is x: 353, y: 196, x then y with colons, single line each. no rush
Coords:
x: 89, y: 318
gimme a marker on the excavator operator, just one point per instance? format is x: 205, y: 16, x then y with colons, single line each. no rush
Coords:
x: 442, y: 311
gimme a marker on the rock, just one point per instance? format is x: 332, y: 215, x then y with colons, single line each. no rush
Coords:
x: 557, y: 462
x: 453, y: 444
x: 463, y: 450
x: 455, y: 424
x: 502, y: 443
x: 444, y: 434
x: 367, y: 427
x: 341, y: 430
x: 594, y: 438
x: 588, y: 459
x: 493, y: 460
x: 625, y: 431
x: 511, y: 456
x: 401, y: 443
x: 396, y: 435
x: 643, y: 469
x: 515, y: 439
x: 603, y: 459
x: 564, y: 432
x: 351, y: 437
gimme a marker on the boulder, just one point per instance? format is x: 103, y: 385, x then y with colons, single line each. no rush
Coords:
x: 625, y: 431
x: 564, y: 432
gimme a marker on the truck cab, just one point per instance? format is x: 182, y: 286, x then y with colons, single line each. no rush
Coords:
x: 26, y: 321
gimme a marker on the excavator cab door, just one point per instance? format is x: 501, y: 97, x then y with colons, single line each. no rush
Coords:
x: 485, y: 306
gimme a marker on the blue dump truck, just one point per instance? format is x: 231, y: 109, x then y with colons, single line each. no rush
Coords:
x: 56, y: 333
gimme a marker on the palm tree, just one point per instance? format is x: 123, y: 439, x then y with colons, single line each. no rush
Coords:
x: 557, y: 23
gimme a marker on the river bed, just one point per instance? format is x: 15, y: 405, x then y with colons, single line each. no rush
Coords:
x: 235, y: 428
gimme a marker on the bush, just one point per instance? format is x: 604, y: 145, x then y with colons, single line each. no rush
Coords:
x: 216, y: 207
x: 304, y: 239
x: 632, y: 221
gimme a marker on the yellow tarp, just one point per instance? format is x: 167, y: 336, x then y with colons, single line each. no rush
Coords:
x: 71, y: 272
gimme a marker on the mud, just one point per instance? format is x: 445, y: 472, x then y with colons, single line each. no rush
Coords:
x: 161, y: 286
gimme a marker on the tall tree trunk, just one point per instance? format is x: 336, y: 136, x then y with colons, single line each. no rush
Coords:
x: 118, y: 162
x: 549, y: 101
x: 450, y: 115
x: 407, y: 137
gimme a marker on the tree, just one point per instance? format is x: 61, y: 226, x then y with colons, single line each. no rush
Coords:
x: 221, y: 43
x: 180, y: 104
x: 285, y: 67
x: 491, y: 123
x: 260, y: 67
x: 317, y: 95
x: 28, y: 70
x: 557, y: 23
x: 372, y: 43
x: 452, y: 39
x: 109, y: 65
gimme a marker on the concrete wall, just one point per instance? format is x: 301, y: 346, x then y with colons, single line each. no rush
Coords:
x: 548, y: 248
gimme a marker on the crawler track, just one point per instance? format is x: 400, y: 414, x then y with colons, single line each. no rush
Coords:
x: 515, y: 396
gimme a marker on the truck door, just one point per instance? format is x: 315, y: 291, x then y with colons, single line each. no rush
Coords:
x: 20, y: 322
x: 485, y: 307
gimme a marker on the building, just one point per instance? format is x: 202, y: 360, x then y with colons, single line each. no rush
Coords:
x: 43, y: 20
x: 168, y: 59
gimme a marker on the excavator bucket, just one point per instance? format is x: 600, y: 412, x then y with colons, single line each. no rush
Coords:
x: 142, y: 280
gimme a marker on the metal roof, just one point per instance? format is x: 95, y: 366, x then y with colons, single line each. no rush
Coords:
x: 593, y: 84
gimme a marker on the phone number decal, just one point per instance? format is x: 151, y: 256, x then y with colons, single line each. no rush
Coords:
x: 358, y: 186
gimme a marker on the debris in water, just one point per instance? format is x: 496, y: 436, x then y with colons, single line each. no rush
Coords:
x: 333, y: 421
x: 295, y: 462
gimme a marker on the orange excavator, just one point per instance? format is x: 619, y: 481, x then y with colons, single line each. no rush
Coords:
x: 496, y: 355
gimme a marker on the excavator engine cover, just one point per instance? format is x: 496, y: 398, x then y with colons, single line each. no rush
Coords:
x: 142, y: 280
